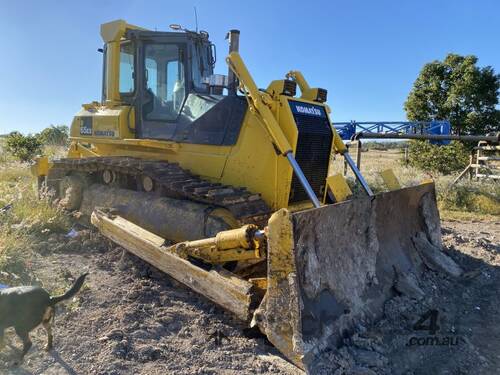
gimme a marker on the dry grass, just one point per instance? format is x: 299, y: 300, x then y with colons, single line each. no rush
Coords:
x: 54, y: 152
x: 27, y: 218
x: 464, y: 201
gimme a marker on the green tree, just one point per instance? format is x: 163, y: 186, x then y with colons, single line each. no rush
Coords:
x: 23, y: 147
x: 433, y: 158
x: 458, y: 90
x: 55, y: 135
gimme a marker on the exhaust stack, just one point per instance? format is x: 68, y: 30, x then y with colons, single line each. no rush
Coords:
x: 234, y: 45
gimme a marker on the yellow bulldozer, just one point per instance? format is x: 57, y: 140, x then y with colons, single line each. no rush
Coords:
x: 225, y: 187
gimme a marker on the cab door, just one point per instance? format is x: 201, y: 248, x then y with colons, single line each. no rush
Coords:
x: 162, y: 81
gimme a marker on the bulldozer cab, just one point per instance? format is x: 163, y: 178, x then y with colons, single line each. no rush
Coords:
x: 166, y: 77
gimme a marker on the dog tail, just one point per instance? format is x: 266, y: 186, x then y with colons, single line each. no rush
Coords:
x: 71, y: 292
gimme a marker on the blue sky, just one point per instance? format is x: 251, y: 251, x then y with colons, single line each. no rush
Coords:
x: 366, y: 53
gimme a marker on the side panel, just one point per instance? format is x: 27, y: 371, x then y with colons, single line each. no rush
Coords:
x: 255, y: 163
x: 103, y: 123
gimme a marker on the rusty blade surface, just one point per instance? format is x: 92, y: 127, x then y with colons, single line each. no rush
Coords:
x: 346, y: 259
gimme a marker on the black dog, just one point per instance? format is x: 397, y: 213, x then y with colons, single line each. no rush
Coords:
x: 26, y: 307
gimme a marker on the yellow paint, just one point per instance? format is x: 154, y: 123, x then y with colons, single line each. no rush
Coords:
x: 256, y: 161
x: 307, y: 92
x: 40, y: 167
x: 252, y: 162
x: 281, y: 293
x: 112, y: 34
x: 259, y: 282
x: 339, y: 187
x: 300, y: 206
x: 115, y: 30
x: 116, y: 122
x: 259, y: 100
x: 280, y: 243
x: 229, y: 245
x: 79, y: 148
x: 390, y: 179
x: 215, y: 256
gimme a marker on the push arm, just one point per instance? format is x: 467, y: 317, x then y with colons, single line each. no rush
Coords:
x: 260, y: 102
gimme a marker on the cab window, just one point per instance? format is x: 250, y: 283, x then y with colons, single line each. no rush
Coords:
x: 165, y: 81
x: 127, y: 85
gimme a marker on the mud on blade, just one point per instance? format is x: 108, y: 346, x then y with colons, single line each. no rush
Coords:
x: 333, y: 268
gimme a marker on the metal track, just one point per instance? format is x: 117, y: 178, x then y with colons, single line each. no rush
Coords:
x: 170, y: 180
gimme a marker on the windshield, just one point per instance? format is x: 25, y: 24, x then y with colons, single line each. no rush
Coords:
x: 165, y: 83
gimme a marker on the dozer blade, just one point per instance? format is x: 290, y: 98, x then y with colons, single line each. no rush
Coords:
x: 333, y: 268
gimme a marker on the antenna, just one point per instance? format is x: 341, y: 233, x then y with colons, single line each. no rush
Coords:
x: 196, y: 18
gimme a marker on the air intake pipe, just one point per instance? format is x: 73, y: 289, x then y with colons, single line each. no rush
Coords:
x: 234, y: 45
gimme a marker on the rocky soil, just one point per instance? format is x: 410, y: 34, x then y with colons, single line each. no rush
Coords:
x: 466, y: 334
x: 132, y: 319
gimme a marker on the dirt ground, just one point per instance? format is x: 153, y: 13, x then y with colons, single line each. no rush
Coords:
x: 466, y: 337
x: 132, y: 319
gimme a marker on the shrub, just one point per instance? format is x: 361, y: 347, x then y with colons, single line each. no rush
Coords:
x: 28, y: 223
x: 23, y: 147
x: 383, y: 145
x: 55, y: 135
x: 443, y: 159
x: 471, y: 197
